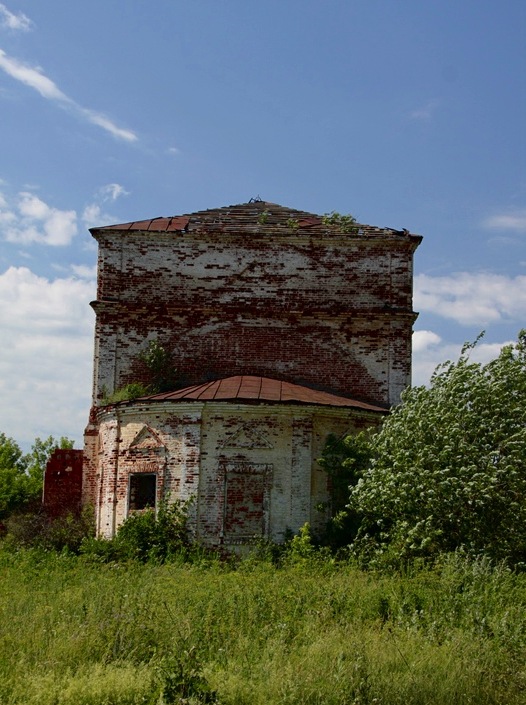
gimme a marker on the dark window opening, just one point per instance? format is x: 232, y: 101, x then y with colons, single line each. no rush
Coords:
x: 142, y: 491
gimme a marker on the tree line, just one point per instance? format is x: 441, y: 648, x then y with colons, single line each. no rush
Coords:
x: 22, y: 474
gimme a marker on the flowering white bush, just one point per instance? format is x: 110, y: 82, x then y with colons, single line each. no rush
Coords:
x: 448, y: 468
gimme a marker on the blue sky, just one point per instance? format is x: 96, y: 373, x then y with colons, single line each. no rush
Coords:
x: 406, y: 114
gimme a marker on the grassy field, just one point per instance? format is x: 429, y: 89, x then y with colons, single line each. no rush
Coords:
x: 77, y: 633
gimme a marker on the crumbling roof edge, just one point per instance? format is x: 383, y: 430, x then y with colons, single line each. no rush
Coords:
x: 258, y: 218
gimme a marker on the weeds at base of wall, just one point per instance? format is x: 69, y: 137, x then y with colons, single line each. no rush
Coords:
x: 148, y: 536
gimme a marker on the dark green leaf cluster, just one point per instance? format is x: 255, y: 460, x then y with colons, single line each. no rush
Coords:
x: 36, y: 529
x: 127, y: 393
x: 161, y: 367
x: 160, y: 376
x: 448, y: 468
x: 145, y: 536
x: 344, y: 459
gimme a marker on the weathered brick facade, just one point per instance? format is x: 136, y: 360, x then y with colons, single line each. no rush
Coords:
x: 63, y: 482
x: 258, y: 290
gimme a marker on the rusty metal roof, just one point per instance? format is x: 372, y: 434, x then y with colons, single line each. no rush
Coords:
x: 248, y: 388
x: 256, y: 217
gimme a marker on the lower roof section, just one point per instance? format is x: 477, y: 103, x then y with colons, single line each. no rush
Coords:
x: 259, y: 389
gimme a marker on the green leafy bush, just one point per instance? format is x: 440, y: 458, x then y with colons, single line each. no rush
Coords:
x: 344, y: 459
x: 345, y: 223
x: 161, y: 367
x: 160, y: 374
x: 131, y: 391
x: 38, y: 530
x: 145, y: 536
x: 448, y: 468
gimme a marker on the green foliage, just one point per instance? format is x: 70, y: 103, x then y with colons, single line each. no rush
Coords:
x: 162, y: 376
x: 37, y: 530
x: 14, y: 490
x: 161, y: 366
x: 181, y: 679
x: 263, y: 217
x: 292, y: 223
x: 78, y: 633
x: 10, y: 454
x: 344, y: 459
x: 149, y: 535
x: 449, y: 466
x: 14, y: 483
x: 21, y: 476
x: 145, y: 536
x: 344, y: 223
x: 300, y: 547
x: 126, y: 393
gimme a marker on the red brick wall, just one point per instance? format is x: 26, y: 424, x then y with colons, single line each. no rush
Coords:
x: 63, y: 482
x: 335, y: 314
x: 328, y: 311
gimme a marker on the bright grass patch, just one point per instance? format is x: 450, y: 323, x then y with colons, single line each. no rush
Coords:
x: 83, y: 633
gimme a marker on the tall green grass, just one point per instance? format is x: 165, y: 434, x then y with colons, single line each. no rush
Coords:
x: 75, y: 632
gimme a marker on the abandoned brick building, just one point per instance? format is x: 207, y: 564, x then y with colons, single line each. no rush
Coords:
x: 283, y: 326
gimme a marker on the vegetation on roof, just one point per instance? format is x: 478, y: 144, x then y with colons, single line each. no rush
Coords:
x: 344, y: 223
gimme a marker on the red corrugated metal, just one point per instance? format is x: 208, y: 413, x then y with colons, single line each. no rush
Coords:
x: 252, y: 388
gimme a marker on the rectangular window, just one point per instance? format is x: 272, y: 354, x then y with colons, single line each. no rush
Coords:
x: 142, y: 491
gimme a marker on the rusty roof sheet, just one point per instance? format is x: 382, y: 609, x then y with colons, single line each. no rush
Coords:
x: 257, y: 218
x: 259, y: 389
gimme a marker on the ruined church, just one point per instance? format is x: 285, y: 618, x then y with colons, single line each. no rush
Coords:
x: 282, y: 327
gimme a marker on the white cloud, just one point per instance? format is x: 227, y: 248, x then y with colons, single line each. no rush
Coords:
x: 425, y: 112
x: 32, y: 207
x: 424, y: 339
x: 512, y: 220
x: 84, y: 272
x: 30, y: 220
x: 111, y: 192
x: 430, y: 350
x: 93, y: 215
x: 6, y: 213
x: 34, y: 77
x: 19, y: 22
x: 33, y: 220
x: 472, y: 298
x: 107, y: 124
x: 46, y: 354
